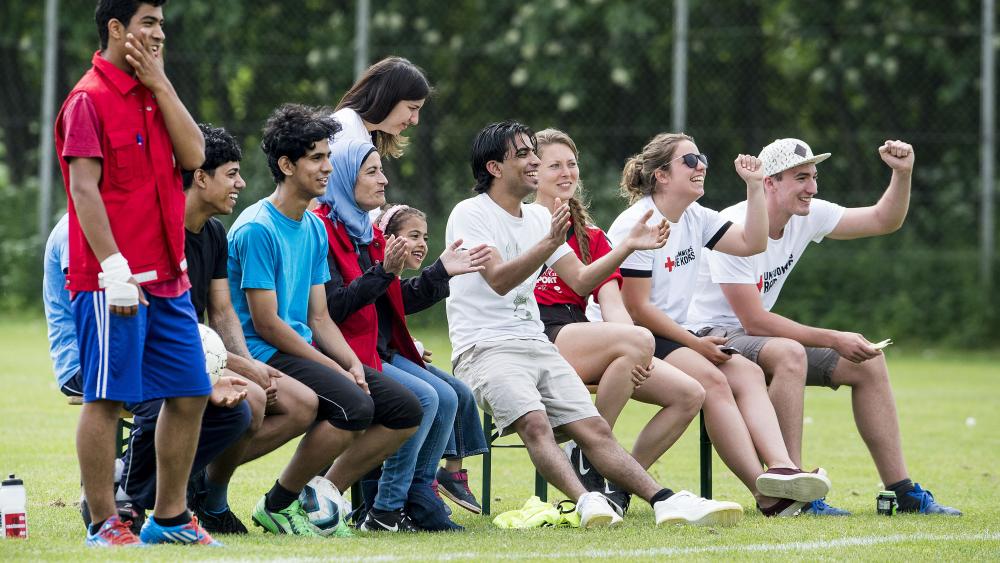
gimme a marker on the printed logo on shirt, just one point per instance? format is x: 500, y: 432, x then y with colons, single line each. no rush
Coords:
x: 547, y: 278
x: 769, y: 279
x: 683, y: 257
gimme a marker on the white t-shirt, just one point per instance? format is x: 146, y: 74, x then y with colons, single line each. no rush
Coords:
x: 767, y: 270
x: 352, y: 126
x: 674, y: 267
x: 476, y: 313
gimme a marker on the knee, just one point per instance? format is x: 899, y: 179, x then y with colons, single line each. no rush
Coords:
x: 447, y: 401
x: 640, y: 343
x: 257, y: 400
x: 691, y: 396
x: 713, y: 382
x: 301, y: 408
x: 534, y: 428
x: 791, y: 363
x: 364, y: 412
x: 596, y: 431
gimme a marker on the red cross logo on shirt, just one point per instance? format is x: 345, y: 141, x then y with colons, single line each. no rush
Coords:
x: 760, y: 284
x: 669, y: 264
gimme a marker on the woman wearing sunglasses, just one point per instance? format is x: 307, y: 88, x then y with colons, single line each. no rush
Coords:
x: 668, y: 176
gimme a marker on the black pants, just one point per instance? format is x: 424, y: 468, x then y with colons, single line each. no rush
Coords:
x: 220, y: 428
x: 344, y: 405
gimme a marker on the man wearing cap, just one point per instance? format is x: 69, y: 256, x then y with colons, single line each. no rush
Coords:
x: 735, y: 296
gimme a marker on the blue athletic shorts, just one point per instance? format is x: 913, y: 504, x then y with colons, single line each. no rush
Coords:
x: 155, y: 354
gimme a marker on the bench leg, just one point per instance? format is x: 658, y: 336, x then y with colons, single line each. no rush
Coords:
x: 705, y: 454
x: 122, y: 435
x: 356, y: 500
x: 487, y: 463
x: 541, y: 487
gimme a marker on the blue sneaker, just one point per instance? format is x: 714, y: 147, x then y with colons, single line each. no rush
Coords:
x: 920, y: 501
x: 190, y: 533
x: 819, y: 507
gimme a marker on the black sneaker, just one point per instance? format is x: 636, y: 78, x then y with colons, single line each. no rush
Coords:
x: 922, y: 501
x: 455, y: 486
x: 388, y: 521
x: 585, y: 472
x: 225, y: 523
x: 618, y: 498
x: 127, y: 512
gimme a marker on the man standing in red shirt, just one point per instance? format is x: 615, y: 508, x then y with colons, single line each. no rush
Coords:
x: 123, y: 136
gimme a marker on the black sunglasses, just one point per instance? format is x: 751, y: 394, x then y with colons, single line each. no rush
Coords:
x: 691, y: 160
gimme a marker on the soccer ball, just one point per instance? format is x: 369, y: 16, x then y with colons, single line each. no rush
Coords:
x: 215, y: 352
x: 324, y: 505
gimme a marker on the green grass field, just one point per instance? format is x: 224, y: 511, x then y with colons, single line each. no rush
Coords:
x: 949, y: 407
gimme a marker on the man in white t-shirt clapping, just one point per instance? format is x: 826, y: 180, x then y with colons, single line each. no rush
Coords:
x: 735, y: 297
x: 500, y: 349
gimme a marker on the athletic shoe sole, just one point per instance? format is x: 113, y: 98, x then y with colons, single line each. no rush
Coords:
x: 723, y: 517
x: 803, y: 487
x: 470, y: 507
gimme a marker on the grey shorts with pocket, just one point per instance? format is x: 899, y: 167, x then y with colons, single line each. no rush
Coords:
x: 821, y: 361
x: 510, y: 378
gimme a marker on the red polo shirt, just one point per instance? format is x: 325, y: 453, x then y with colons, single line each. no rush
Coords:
x: 111, y: 116
x: 550, y: 289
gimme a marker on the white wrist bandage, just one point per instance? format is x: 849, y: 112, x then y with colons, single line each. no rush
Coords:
x: 114, y: 279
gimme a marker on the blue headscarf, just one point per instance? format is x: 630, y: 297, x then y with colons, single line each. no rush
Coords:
x: 347, y: 156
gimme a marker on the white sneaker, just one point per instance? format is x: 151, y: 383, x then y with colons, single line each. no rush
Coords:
x: 595, y: 512
x: 793, y: 484
x: 688, y: 508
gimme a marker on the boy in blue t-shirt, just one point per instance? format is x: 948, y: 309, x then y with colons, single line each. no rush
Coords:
x: 277, y: 268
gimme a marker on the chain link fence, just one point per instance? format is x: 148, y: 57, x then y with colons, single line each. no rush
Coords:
x: 844, y: 77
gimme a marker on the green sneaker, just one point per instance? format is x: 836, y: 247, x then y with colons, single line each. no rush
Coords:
x: 291, y: 520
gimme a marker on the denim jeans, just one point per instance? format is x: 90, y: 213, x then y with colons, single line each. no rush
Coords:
x: 415, y: 462
x: 467, y: 438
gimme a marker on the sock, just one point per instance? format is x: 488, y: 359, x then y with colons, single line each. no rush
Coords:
x: 903, y: 500
x: 179, y: 520
x: 94, y: 527
x: 216, y: 497
x: 279, y: 498
x: 664, y: 494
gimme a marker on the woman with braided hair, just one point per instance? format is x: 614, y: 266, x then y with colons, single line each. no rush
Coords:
x: 615, y: 355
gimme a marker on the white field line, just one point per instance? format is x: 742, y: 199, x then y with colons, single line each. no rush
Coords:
x: 817, y: 545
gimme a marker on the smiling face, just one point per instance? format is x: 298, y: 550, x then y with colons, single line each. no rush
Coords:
x: 146, y: 24
x: 221, y: 189
x: 369, y: 188
x: 413, y: 230
x: 559, y: 173
x: 310, y: 173
x: 519, y: 170
x: 794, y: 192
x: 405, y: 113
x: 680, y: 179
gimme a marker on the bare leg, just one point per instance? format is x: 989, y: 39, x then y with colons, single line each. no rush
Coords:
x: 605, y: 353
x: 875, y: 414
x: 369, y: 450
x: 784, y: 364
x: 723, y: 420
x: 680, y: 396
x: 594, y: 437
x: 179, y: 421
x: 453, y: 464
x: 292, y: 416
x: 95, y: 450
x: 548, y: 459
x: 747, y: 382
x: 321, y: 444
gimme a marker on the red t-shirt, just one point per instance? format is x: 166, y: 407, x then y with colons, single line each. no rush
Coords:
x: 550, y: 289
x: 83, y: 140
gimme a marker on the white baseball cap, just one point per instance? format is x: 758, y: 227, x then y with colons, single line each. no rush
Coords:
x: 783, y: 154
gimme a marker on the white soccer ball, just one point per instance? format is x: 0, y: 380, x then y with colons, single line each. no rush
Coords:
x: 324, y: 505
x: 215, y: 352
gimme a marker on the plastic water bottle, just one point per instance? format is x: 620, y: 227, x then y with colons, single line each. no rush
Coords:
x: 13, y: 505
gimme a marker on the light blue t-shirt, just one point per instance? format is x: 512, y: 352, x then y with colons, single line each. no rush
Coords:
x: 58, y: 312
x: 268, y: 250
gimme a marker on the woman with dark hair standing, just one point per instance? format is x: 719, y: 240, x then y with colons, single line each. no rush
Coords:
x: 382, y: 104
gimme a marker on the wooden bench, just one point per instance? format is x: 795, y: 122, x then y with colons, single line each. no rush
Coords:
x: 542, y: 487
x: 125, y: 425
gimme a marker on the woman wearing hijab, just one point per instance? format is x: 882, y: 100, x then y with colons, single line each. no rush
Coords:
x: 369, y: 303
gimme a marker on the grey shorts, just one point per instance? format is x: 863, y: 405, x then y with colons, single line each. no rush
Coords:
x: 821, y: 361
x: 510, y: 378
